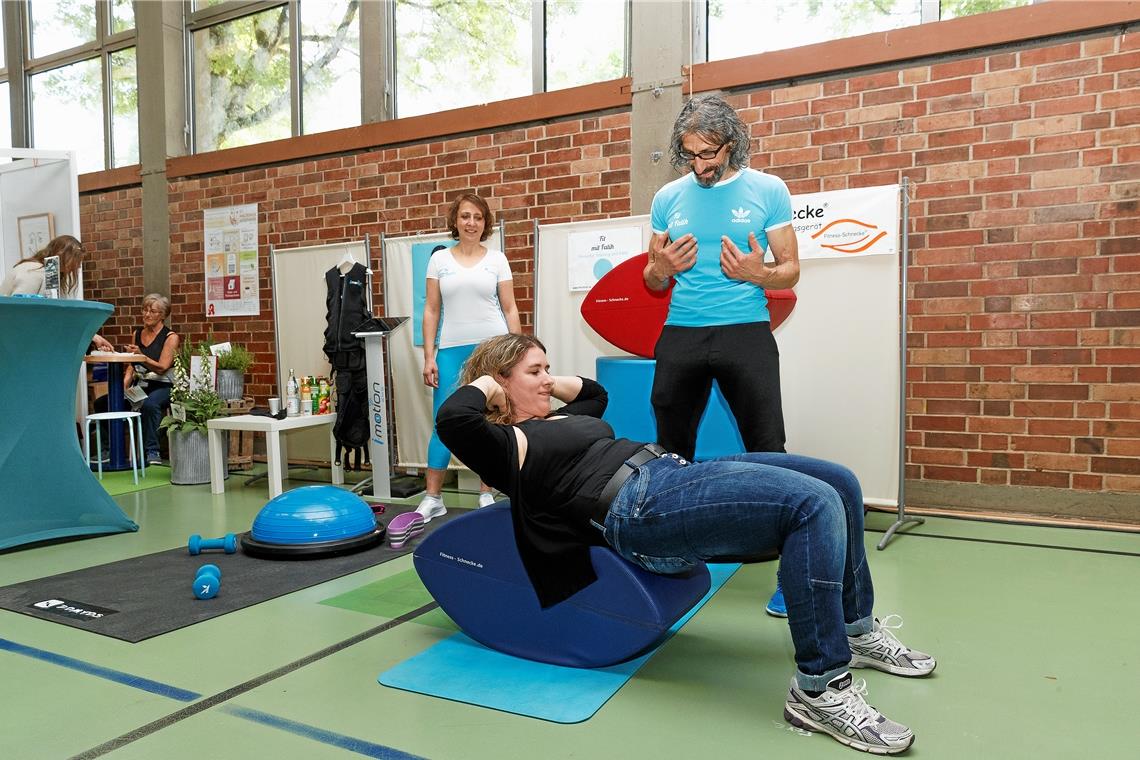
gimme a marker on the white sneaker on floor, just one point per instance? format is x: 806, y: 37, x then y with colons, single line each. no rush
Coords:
x: 486, y: 499
x: 842, y: 713
x: 880, y: 649
x: 431, y: 507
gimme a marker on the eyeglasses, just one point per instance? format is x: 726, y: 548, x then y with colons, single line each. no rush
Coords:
x: 151, y: 310
x: 704, y: 155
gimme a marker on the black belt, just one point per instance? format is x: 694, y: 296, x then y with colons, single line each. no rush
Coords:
x: 646, y: 453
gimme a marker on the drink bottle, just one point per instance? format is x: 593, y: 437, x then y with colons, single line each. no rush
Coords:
x: 292, y: 399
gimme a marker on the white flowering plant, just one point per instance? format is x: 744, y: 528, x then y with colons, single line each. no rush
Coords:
x: 192, y: 405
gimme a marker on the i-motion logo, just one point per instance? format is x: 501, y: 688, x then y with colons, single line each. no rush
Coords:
x: 47, y: 604
x: 740, y: 215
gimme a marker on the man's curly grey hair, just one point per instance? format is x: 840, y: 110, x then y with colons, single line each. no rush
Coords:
x: 714, y: 121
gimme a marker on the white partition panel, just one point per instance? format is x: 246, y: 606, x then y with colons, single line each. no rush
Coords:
x: 573, y: 346
x: 411, y: 399
x: 299, y: 315
x: 839, y: 351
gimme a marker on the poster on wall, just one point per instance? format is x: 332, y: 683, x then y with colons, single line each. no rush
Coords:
x: 229, y: 238
x: 589, y: 255
x: 840, y: 224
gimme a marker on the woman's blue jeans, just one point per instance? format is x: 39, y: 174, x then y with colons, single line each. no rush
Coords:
x: 671, y: 514
x: 153, y: 408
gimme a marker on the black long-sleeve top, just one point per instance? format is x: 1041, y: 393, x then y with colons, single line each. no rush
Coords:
x: 570, y: 457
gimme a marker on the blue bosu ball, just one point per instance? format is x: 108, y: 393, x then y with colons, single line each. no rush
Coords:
x: 313, y: 520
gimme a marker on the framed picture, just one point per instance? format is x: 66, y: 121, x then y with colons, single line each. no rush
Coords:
x: 36, y: 231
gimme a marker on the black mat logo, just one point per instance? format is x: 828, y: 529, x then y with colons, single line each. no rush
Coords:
x: 74, y: 610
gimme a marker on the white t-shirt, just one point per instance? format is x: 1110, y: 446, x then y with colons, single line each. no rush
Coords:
x: 470, y: 309
x: 25, y: 277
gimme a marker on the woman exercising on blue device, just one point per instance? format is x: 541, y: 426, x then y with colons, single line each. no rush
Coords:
x: 573, y: 485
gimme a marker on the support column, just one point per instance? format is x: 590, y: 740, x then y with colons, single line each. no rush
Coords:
x: 661, y: 49
x: 14, y: 62
x: 163, y: 129
x: 376, y: 61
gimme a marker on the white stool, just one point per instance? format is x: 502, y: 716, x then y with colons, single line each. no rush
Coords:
x: 134, y: 419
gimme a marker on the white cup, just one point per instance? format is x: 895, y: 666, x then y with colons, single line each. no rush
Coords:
x: 274, y: 405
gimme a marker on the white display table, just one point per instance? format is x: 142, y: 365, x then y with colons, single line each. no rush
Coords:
x: 275, y: 450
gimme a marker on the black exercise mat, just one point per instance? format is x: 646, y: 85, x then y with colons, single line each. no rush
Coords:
x: 138, y: 598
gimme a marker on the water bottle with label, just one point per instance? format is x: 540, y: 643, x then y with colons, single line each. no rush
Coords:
x: 292, y: 395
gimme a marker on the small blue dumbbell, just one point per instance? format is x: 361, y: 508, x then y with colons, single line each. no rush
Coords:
x: 206, y: 584
x: 197, y: 544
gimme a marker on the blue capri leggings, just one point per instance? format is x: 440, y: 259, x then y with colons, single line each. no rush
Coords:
x: 450, y: 363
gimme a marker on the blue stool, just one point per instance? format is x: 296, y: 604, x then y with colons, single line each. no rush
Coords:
x: 471, y: 567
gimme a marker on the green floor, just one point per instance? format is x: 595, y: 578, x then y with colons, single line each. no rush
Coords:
x: 1035, y: 630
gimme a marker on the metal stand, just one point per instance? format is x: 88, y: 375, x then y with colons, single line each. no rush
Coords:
x: 902, y: 518
x: 378, y: 407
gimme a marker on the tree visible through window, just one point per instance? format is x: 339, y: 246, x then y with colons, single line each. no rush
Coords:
x: 453, y: 54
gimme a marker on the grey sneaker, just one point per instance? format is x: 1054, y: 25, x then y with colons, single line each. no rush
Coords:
x: 880, y: 649
x: 842, y: 713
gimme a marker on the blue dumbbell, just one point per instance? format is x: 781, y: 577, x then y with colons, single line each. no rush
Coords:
x: 211, y: 569
x: 206, y: 585
x: 197, y: 544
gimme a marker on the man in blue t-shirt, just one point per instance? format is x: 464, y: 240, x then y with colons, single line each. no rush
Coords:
x: 711, y: 228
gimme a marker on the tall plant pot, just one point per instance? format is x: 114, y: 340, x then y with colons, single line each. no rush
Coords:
x: 190, y: 457
x: 231, y: 384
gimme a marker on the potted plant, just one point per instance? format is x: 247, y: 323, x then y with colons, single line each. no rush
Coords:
x: 232, y: 366
x: 192, y: 405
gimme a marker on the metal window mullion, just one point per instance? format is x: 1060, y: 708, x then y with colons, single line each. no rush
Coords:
x: 108, y: 118
x: 296, y: 111
x: 538, y: 46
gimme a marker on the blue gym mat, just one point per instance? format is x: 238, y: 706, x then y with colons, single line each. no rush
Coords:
x: 463, y: 670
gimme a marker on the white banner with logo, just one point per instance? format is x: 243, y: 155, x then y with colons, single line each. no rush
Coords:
x: 840, y: 224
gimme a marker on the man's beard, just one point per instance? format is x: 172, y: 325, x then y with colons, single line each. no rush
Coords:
x: 711, y: 179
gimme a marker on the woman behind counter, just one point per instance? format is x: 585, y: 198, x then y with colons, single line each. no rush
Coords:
x: 573, y: 485
x: 159, y: 344
x: 27, y: 276
x: 471, y: 288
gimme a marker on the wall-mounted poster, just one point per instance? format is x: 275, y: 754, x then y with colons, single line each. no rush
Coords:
x: 36, y: 231
x: 229, y: 240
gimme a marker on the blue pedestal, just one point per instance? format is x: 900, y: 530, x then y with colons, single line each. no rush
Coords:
x: 629, y: 382
x: 49, y: 491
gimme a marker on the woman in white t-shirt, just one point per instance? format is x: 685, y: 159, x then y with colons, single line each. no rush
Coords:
x: 470, y: 297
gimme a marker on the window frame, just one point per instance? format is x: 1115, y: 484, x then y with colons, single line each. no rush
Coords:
x: 102, y: 48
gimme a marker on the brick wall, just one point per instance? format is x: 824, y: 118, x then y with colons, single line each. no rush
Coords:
x: 569, y: 170
x: 1024, y: 302
x: 111, y: 225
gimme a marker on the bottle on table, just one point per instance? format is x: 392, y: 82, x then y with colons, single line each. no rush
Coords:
x: 292, y: 399
x: 306, y: 396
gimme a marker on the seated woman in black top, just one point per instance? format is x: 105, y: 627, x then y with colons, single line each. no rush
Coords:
x: 159, y: 344
x: 572, y: 485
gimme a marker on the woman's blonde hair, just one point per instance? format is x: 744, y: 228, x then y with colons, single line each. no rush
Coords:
x: 159, y: 300
x: 496, y: 357
x: 70, y: 252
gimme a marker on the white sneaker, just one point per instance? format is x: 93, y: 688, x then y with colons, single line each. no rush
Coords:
x: 880, y: 649
x: 431, y: 507
x: 486, y: 499
x: 842, y: 713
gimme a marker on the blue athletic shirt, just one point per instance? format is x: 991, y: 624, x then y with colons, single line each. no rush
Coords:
x: 748, y: 201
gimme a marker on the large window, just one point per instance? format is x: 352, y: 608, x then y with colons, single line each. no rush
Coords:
x: 82, y: 81
x: 248, y: 70
x: 330, y: 65
x: 585, y: 42
x: 454, y: 54
x: 746, y: 27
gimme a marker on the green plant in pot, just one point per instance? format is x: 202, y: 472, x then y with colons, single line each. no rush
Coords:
x: 232, y: 366
x: 185, y: 425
